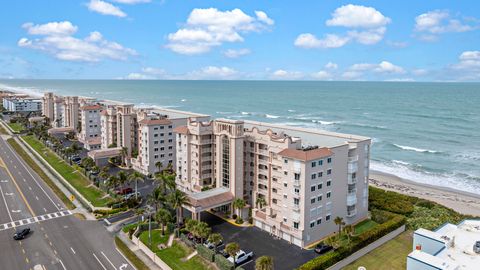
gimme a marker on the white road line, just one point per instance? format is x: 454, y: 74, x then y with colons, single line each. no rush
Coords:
x: 45, y: 209
x: 99, y: 261
x: 36, y: 197
x: 29, y: 187
x: 6, y: 205
x: 108, y: 260
x: 73, y: 251
x: 34, y: 179
x: 62, y: 264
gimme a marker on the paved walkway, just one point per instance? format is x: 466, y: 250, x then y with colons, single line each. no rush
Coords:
x: 150, y: 264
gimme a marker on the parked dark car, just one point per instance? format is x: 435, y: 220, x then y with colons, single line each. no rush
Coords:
x: 21, y: 234
x: 322, y: 248
x: 124, y: 191
x: 476, y: 247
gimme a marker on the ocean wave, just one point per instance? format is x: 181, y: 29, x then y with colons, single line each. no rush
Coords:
x: 246, y: 113
x: 272, y: 116
x: 379, y: 127
x: 291, y: 111
x: 223, y: 113
x: 401, y: 162
x: 454, y: 180
x: 32, y: 91
x: 183, y: 100
x: 420, y: 150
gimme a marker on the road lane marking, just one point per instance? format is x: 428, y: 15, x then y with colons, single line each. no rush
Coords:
x: 99, y: 261
x: 62, y: 264
x: 31, y: 220
x: 36, y: 197
x: 6, y: 205
x: 54, y: 251
x: 108, y: 260
x: 23, y: 250
x: 16, y: 211
x: 30, y: 188
x: 73, y: 250
x: 45, y: 209
x: 19, y: 190
x: 31, y: 175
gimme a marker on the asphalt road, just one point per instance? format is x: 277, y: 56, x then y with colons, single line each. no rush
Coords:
x: 58, y: 239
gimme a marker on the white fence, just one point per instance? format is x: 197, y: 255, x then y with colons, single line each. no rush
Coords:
x: 150, y: 254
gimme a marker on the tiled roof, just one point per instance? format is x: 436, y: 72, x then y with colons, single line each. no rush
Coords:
x: 306, y: 155
x: 181, y: 130
x: 151, y: 122
x: 210, y: 198
x: 90, y: 107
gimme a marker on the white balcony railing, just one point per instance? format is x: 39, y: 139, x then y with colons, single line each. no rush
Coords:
x: 351, y: 180
x: 353, y: 158
x: 296, y: 207
x: 351, y: 213
x: 352, y: 167
x: 296, y: 183
x: 351, y: 199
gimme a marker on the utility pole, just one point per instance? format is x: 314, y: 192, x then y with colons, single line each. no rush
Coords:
x: 150, y: 230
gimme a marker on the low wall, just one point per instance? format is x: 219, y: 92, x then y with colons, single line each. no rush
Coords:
x: 150, y: 254
x: 362, y: 252
x: 77, y: 194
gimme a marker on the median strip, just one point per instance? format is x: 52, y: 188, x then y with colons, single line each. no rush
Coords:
x: 132, y: 258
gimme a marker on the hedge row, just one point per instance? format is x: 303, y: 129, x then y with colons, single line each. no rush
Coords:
x: 391, y: 201
x: 359, y: 242
x: 222, y: 263
x: 205, y: 252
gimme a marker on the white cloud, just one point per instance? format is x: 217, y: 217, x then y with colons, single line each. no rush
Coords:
x: 354, y: 16
x: 208, y: 28
x: 105, y: 8
x: 137, y: 76
x: 212, y: 73
x: 366, y: 26
x: 263, y: 17
x: 351, y: 75
x: 397, y: 44
x: 310, y: 41
x: 64, y: 28
x: 467, y: 68
x: 435, y: 22
x: 131, y: 2
x: 419, y: 72
x: 331, y: 65
x: 286, y: 75
x: 382, y: 67
x: 231, y: 53
x: 154, y: 71
x: 322, y: 75
x: 58, y: 40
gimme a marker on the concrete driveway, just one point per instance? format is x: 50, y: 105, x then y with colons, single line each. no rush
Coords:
x: 286, y: 256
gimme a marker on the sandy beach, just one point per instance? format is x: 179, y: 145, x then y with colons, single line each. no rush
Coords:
x: 462, y: 202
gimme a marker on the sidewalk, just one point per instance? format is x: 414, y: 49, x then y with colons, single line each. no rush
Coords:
x: 151, y: 265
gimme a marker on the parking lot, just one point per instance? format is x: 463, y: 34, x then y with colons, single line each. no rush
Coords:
x: 285, y: 256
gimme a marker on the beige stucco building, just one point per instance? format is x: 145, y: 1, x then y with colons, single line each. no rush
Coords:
x: 305, y: 177
x: 90, y: 127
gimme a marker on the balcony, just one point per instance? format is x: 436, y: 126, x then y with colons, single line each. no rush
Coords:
x: 353, y: 158
x: 263, y: 151
x: 296, y: 194
x: 206, y: 150
x: 206, y: 175
x: 352, y: 167
x: 206, y: 167
x: 296, y: 207
x: 206, y: 141
x: 351, y: 213
x: 263, y: 171
x: 351, y: 199
x: 351, y: 180
x: 296, y: 183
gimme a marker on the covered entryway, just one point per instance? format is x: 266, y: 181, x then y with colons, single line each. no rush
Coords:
x: 206, y: 200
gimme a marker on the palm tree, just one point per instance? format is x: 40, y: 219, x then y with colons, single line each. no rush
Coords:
x: 264, y: 263
x: 159, y: 165
x: 136, y: 176
x: 122, y: 177
x: 156, y: 198
x: 177, y: 199
x: 348, y: 230
x: 163, y: 216
x: 260, y: 202
x: 238, y: 204
x: 112, y: 182
x: 75, y: 148
x: 215, y: 239
x: 87, y: 163
x: 340, y: 223
x: 167, y: 180
x: 191, y: 224
x: 232, y: 249
x: 202, y: 231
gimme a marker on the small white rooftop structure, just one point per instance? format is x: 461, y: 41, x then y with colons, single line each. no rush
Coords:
x: 449, y: 247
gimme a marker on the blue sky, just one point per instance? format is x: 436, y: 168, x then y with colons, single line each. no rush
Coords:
x: 436, y: 40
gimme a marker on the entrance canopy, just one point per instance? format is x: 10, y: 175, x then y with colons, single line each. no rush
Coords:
x: 209, y: 199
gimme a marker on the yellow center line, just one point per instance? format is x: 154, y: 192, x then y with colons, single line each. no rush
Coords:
x: 18, y: 188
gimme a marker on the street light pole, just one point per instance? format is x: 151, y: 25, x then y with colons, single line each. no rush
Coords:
x: 150, y: 230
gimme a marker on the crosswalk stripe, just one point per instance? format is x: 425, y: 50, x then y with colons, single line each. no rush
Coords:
x: 34, y: 219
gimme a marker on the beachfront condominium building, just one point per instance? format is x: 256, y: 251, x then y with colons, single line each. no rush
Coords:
x: 156, y: 140
x: 22, y: 104
x: 48, y: 105
x: 90, y: 127
x: 297, y: 181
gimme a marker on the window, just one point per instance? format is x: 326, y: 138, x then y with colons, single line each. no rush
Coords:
x: 285, y: 173
x: 285, y: 161
x: 320, y: 174
x: 319, y: 221
x: 162, y: 141
x: 295, y: 225
x: 319, y: 186
x: 225, y: 162
x: 296, y: 201
x: 312, y: 224
x: 155, y: 156
x: 329, y: 194
x: 170, y: 147
x: 285, y: 184
x: 274, y: 201
x: 329, y: 171
x: 329, y: 183
x: 312, y: 200
x: 320, y: 162
x: 312, y: 188
x: 274, y: 190
x: 319, y: 198
x: 155, y: 128
x: 155, y: 149
x: 297, y: 176
x: 327, y: 218
x: 170, y: 126
x: 314, y: 176
x: 170, y: 133
x: 297, y: 191
x: 329, y: 160
x: 170, y: 140
x: 284, y: 219
x: 314, y: 164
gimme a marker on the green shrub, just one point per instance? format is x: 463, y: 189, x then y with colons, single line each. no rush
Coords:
x: 239, y: 220
x: 223, y: 263
x: 205, y: 252
x: 170, y: 227
x: 431, y: 218
x: 391, y: 201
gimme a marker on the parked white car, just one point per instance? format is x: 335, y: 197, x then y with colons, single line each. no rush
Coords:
x: 241, y: 257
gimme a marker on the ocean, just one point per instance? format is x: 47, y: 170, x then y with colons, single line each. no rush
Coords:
x: 425, y: 132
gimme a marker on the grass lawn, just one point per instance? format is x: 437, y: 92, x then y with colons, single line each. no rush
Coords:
x: 127, y: 228
x: 130, y: 255
x: 391, y: 255
x: 76, y: 179
x: 364, y: 226
x: 17, y: 127
x: 173, y: 257
x: 157, y: 239
x: 3, y: 131
x: 40, y: 173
